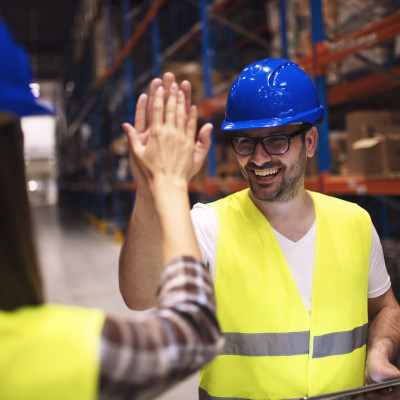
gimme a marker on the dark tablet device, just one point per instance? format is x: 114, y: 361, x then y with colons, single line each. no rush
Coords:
x: 384, y: 387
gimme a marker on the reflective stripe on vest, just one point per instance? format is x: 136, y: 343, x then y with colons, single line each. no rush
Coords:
x: 294, y: 343
x: 266, y: 344
x: 334, y: 344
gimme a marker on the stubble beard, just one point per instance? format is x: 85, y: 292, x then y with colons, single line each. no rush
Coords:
x: 289, y: 186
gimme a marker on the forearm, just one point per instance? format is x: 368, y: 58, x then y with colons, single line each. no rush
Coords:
x: 173, y: 207
x: 384, y: 333
x: 166, y: 344
x: 140, y: 262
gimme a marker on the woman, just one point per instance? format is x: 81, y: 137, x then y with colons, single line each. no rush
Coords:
x: 60, y: 352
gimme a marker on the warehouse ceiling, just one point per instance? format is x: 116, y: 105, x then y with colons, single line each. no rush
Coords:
x: 43, y: 27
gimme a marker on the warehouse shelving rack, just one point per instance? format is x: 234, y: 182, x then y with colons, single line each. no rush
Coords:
x: 105, y: 197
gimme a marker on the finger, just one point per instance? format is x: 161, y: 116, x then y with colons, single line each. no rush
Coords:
x: 140, y: 114
x: 155, y: 84
x: 133, y: 137
x: 168, y: 80
x: 180, y: 113
x: 186, y: 88
x: 170, y: 114
x: 192, y: 123
x: 158, y: 110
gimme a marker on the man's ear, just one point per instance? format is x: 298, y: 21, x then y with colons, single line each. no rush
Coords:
x: 311, y: 141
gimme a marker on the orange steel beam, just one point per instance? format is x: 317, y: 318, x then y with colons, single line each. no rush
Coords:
x: 213, y: 105
x: 113, y: 68
x: 212, y: 186
x: 261, y: 28
x: 361, y: 88
x: 128, y: 46
x: 381, y: 31
x: 219, y: 6
x: 330, y: 185
x: 336, y: 95
x: 125, y: 186
x: 234, y: 6
x: 84, y: 48
x: 363, y: 185
x: 196, y: 38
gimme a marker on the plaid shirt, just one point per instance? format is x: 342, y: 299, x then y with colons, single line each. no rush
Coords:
x: 143, y: 356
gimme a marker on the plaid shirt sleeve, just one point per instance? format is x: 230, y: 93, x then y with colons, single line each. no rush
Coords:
x: 145, y: 355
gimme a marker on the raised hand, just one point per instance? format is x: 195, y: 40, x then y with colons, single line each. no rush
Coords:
x: 167, y: 151
x: 144, y: 119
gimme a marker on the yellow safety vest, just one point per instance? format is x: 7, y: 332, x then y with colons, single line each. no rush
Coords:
x: 274, y: 348
x: 50, y: 352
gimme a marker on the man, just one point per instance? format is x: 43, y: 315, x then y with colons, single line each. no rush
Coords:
x: 299, y: 277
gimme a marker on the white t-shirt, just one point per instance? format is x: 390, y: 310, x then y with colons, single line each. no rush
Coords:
x: 299, y: 255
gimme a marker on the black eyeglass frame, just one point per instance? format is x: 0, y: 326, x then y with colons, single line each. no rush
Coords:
x: 288, y: 136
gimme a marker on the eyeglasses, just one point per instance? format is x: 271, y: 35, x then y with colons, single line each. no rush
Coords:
x: 273, y: 144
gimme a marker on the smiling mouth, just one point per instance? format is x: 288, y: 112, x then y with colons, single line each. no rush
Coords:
x: 263, y: 173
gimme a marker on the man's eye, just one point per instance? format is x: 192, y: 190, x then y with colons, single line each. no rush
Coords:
x: 276, y: 140
x: 244, y: 141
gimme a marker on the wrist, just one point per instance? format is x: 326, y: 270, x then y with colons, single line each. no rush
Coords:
x: 170, y: 197
x: 381, y: 349
x: 161, y: 186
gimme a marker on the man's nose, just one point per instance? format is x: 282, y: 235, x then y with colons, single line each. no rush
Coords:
x: 260, y: 156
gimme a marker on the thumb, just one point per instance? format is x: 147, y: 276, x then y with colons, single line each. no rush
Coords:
x: 203, y: 143
x: 381, y: 372
x: 204, y: 136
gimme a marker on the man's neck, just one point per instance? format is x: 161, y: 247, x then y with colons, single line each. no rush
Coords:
x: 292, y: 218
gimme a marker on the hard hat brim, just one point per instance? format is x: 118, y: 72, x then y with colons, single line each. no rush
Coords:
x: 23, y: 107
x: 312, y: 117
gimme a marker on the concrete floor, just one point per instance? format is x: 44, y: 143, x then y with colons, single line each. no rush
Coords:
x: 80, y: 267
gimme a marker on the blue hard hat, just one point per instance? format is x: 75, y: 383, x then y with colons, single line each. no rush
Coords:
x: 272, y: 92
x: 16, y: 96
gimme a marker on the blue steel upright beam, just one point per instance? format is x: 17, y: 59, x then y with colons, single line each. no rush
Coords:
x: 128, y: 66
x: 115, y: 159
x: 317, y: 39
x: 282, y: 14
x: 215, y: 37
x: 229, y: 62
x: 108, y: 33
x: 155, y: 45
x: 173, y: 16
x: 207, y: 80
x: 101, y: 197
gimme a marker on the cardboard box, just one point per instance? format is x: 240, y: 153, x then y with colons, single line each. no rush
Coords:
x: 366, y: 156
x: 338, y: 151
x: 378, y: 155
x: 392, y: 146
x: 193, y: 72
x: 393, y: 152
x: 359, y: 124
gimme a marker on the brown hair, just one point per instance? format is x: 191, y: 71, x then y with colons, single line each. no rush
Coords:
x: 20, y: 281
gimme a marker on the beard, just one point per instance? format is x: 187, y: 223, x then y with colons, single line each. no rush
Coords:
x: 292, y: 180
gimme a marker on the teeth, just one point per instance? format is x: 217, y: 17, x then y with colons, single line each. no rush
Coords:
x: 266, y: 172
